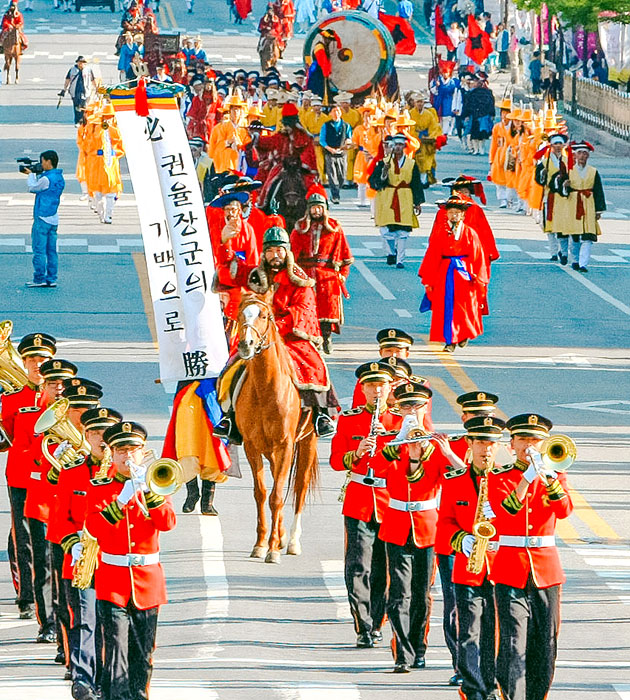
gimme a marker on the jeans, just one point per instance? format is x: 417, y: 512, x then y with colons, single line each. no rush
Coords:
x: 44, y: 244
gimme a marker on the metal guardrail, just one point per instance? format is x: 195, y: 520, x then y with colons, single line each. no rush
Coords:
x: 599, y: 105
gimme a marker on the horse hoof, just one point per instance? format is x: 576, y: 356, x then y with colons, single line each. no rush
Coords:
x: 272, y: 557
x: 294, y: 548
x: 259, y: 552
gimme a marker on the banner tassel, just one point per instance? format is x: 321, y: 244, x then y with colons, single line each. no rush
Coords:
x: 142, y: 101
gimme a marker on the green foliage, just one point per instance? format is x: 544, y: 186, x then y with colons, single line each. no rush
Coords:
x: 580, y: 13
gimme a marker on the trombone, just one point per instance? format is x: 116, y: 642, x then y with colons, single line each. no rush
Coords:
x: 162, y: 476
x: 557, y: 453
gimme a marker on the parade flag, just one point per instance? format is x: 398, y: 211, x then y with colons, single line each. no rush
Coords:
x: 402, y: 33
x: 188, y: 318
x: 478, y: 46
x: 441, y: 36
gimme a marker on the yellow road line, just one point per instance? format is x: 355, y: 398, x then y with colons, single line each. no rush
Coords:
x: 171, y: 15
x: 439, y: 385
x: 582, y: 508
x: 143, y: 278
x: 163, y: 17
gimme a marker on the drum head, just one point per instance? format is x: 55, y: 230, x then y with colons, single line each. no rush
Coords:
x: 361, y: 54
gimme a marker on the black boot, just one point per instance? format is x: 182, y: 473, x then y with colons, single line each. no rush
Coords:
x: 192, y: 496
x: 226, y: 428
x: 324, y: 426
x: 207, y: 498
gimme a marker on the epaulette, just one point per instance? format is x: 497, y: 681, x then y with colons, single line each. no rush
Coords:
x: 501, y: 468
x: 353, y: 411
x: 10, y: 392
x: 394, y: 410
x: 451, y: 474
x: 28, y: 409
x: 100, y: 482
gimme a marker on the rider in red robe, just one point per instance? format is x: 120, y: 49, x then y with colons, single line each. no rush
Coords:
x: 320, y: 247
x: 295, y: 314
x: 453, y: 272
x: 202, y: 114
x: 13, y: 19
x: 475, y: 217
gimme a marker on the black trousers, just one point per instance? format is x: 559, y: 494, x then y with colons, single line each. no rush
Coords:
x: 409, y: 602
x: 529, y: 622
x: 476, y: 614
x: 20, y: 550
x: 42, y: 586
x: 449, y: 619
x: 85, y: 638
x: 129, y: 639
x: 59, y: 600
x: 365, y: 574
x: 336, y: 166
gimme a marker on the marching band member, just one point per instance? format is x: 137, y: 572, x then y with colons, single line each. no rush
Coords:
x: 408, y: 530
x: 75, y: 482
x: 464, y: 495
x: 130, y: 583
x: 527, y: 573
x: 473, y: 404
x: 356, y: 448
x: 39, y: 492
x: 34, y: 349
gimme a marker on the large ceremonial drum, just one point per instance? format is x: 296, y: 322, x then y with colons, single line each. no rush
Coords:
x: 362, y: 54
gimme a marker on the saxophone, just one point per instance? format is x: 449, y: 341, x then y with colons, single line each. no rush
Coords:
x: 85, y: 565
x: 483, y: 531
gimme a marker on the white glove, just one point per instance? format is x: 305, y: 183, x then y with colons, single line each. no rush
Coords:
x: 550, y: 474
x: 530, y: 474
x: 488, y: 513
x: 63, y: 447
x: 467, y: 544
x: 76, y: 552
x: 127, y: 493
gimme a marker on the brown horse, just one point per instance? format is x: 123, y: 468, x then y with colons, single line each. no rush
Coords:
x: 12, y: 47
x: 269, y: 52
x: 271, y: 421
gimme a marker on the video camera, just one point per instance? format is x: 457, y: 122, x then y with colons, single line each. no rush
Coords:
x: 33, y: 166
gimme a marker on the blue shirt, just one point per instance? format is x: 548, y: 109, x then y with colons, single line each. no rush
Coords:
x: 334, y: 134
x: 405, y: 9
x: 48, y: 189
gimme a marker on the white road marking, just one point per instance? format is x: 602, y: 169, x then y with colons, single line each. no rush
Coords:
x: 509, y: 248
x: 315, y: 691
x: 608, y: 258
x: 617, y: 561
x: 403, y: 313
x: 602, y: 551
x: 599, y: 406
x: 11, y: 623
x: 591, y: 286
x: 623, y: 690
x: 371, y: 279
x: 55, y: 689
x: 217, y: 590
x: 333, y: 578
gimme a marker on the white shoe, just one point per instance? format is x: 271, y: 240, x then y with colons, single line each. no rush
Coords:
x: 503, y: 204
x: 83, y: 198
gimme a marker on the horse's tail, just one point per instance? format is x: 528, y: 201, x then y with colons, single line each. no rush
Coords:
x: 304, y: 476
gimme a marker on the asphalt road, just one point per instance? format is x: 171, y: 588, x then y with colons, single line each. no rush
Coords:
x: 556, y: 342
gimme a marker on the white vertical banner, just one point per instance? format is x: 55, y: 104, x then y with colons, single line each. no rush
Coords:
x: 167, y: 305
x: 165, y: 180
x: 186, y: 217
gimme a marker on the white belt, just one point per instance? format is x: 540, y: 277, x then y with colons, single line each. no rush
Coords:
x: 409, y: 506
x: 130, y: 559
x: 493, y: 545
x: 36, y: 475
x: 374, y: 481
x: 536, y: 541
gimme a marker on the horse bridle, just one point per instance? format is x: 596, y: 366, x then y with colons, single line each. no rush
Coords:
x: 262, y: 337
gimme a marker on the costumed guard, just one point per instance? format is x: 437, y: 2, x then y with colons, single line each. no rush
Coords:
x: 408, y: 529
x: 453, y: 273
x: 465, y: 187
x: 125, y: 518
x: 551, y: 171
x: 443, y: 89
x: 585, y: 206
x: 362, y: 432
x: 463, y: 506
x: 429, y: 133
x: 498, y: 152
x: 204, y: 167
x: 528, y: 498
x: 366, y: 142
x: 321, y: 249
x: 400, y: 194
x: 229, y: 137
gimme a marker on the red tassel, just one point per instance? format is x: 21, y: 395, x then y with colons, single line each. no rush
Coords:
x: 570, y: 161
x: 479, y: 192
x: 316, y: 188
x: 142, y: 102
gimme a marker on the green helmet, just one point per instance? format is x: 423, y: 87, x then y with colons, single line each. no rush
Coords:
x: 317, y: 198
x: 276, y: 236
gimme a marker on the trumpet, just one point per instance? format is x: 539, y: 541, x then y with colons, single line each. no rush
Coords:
x: 556, y: 453
x: 162, y: 477
x: 57, y: 428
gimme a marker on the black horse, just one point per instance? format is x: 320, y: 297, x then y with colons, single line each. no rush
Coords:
x: 286, y: 194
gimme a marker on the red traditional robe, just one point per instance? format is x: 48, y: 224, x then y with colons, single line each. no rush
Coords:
x: 322, y: 251
x: 295, y: 313
x: 475, y: 217
x: 454, y: 274
x: 280, y: 145
x: 202, y: 116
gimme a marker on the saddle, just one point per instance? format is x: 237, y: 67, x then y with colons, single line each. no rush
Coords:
x: 229, y: 384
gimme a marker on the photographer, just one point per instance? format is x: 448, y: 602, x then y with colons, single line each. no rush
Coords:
x: 47, y: 187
